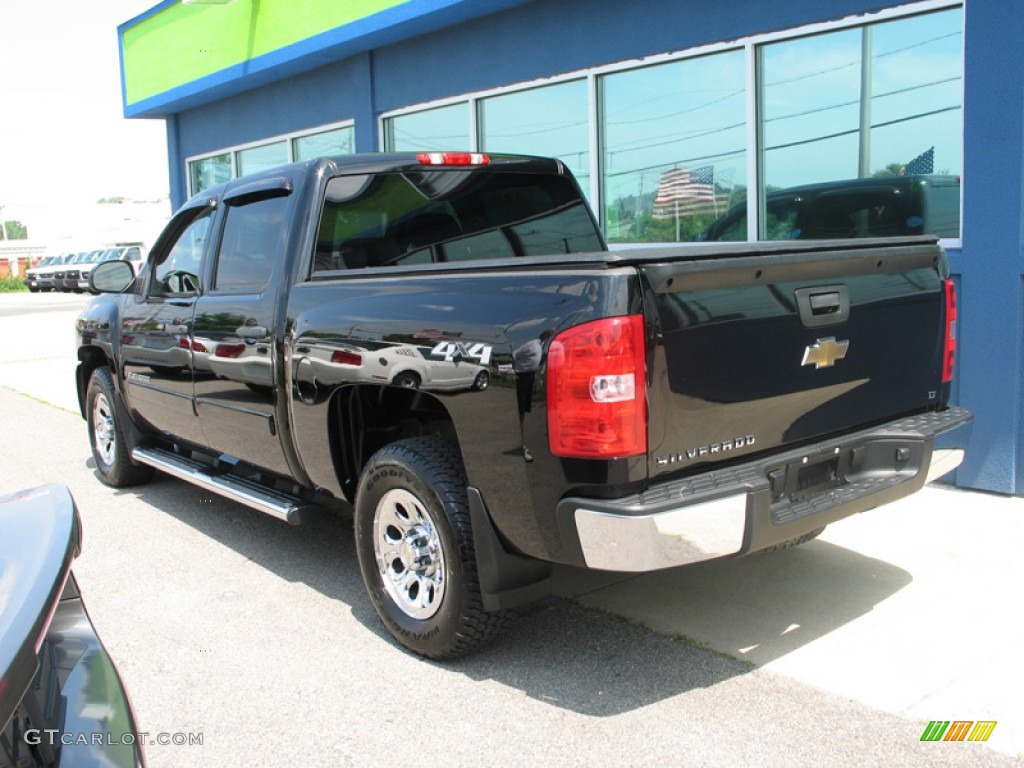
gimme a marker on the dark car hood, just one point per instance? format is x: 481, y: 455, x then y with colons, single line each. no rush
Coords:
x: 41, y: 536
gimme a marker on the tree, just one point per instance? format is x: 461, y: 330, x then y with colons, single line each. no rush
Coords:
x: 892, y: 169
x: 14, y: 230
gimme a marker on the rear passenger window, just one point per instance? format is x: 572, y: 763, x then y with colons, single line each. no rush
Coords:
x: 252, y: 243
x: 429, y: 217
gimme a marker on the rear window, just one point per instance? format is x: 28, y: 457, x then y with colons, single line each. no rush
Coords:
x: 402, y: 219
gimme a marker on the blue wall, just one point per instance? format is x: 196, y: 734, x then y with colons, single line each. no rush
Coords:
x: 540, y: 39
x: 325, y: 95
x: 990, y: 265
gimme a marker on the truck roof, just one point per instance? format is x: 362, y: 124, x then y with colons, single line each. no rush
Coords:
x: 388, y: 162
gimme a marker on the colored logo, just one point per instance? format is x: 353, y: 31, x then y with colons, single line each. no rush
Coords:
x: 824, y: 352
x: 958, y: 730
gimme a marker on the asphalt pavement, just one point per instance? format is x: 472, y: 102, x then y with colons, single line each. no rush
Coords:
x: 259, y: 638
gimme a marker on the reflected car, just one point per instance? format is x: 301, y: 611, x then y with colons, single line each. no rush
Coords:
x: 889, y: 206
x: 235, y: 359
x: 62, y: 702
x: 403, y: 365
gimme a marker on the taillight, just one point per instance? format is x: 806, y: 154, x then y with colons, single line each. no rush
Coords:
x: 345, y: 357
x: 453, y: 158
x: 596, y: 388
x: 229, y: 350
x: 949, y: 346
x: 195, y: 346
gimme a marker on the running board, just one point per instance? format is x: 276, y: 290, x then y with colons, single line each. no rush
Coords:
x: 275, y: 503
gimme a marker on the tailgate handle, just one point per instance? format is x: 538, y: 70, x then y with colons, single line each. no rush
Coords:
x: 823, y: 305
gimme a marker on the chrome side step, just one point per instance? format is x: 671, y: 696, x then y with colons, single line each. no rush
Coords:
x: 275, y: 503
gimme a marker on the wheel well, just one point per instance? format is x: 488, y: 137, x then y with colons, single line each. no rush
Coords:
x: 89, y: 359
x: 407, y: 372
x: 363, y: 419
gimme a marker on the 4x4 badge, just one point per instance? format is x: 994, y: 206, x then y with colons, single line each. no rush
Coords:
x: 824, y: 352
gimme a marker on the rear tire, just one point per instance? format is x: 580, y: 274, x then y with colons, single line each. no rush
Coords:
x: 407, y: 380
x: 415, y: 546
x: 106, y: 434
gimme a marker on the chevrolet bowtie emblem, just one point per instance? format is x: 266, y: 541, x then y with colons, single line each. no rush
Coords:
x: 824, y: 352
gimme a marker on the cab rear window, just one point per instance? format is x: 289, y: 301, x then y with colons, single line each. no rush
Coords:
x: 404, y: 219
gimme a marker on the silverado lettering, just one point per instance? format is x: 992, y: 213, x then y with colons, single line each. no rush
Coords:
x: 443, y: 345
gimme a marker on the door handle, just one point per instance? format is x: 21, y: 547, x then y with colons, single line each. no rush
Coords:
x: 823, y: 305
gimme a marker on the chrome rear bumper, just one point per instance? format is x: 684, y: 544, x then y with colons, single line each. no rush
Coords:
x: 751, y: 506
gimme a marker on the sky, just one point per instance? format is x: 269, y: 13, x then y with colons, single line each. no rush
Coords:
x: 63, y: 138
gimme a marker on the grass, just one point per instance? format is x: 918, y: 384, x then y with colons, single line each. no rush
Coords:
x: 11, y: 284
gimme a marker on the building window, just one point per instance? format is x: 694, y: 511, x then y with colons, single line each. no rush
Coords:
x: 337, y: 142
x: 673, y: 147
x: 551, y: 121
x: 209, y: 172
x: 843, y: 129
x: 226, y: 164
x: 443, y: 128
x: 861, y: 130
x: 262, y: 158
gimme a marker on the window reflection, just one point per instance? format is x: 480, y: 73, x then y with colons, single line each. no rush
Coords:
x: 444, y: 128
x: 262, y: 158
x: 876, y: 102
x: 178, y: 270
x: 550, y: 121
x: 252, y: 243
x: 394, y: 219
x: 209, y: 172
x: 674, y: 138
x: 337, y: 142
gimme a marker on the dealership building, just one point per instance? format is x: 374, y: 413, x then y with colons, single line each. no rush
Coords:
x: 682, y: 120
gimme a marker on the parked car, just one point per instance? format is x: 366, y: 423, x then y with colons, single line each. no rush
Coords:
x: 73, y: 271
x: 58, y: 683
x: 134, y: 254
x: 41, y: 276
x: 874, y: 207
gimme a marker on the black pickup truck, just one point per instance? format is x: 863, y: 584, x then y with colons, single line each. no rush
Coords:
x: 444, y: 342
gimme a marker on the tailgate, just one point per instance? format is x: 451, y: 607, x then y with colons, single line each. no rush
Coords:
x: 758, y: 352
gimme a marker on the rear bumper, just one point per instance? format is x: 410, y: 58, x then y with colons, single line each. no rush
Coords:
x: 748, y: 507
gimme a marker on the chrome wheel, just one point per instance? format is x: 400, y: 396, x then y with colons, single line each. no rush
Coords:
x: 104, y: 436
x: 409, y: 554
x: 414, y: 539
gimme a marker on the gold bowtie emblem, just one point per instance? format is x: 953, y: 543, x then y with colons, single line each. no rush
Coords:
x: 824, y: 352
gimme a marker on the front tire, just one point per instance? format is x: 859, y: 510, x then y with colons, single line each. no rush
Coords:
x: 106, y: 434
x: 415, y: 546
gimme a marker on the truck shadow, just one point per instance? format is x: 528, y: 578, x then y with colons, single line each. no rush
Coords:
x: 605, y: 644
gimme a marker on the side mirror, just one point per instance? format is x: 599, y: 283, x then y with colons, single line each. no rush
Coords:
x: 111, y: 277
